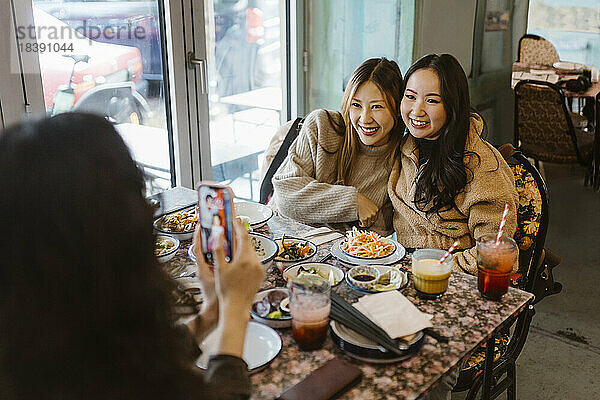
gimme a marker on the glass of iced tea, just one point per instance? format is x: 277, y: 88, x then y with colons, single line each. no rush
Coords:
x: 430, y: 276
x: 309, y: 306
x: 495, y: 262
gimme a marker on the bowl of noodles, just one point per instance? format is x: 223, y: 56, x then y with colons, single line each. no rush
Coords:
x: 367, y: 245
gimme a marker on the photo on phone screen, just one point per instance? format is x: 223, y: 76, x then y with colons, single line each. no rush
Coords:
x: 214, y: 207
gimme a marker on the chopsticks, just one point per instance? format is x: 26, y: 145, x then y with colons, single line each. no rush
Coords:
x: 344, y: 313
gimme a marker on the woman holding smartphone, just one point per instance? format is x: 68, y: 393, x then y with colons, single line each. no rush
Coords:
x: 449, y: 184
x: 84, y: 305
x: 338, y: 167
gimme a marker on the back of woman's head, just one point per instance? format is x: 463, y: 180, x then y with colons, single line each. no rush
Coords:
x: 386, y: 75
x: 80, y: 286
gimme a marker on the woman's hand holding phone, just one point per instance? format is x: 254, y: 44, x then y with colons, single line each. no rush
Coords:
x: 230, y: 290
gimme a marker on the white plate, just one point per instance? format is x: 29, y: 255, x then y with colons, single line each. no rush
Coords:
x: 398, y: 255
x: 258, y: 213
x: 261, y: 346
x: 567, y: 65
x: 361, y: 348
x: 183, y: 235
x: 269, y: 246
x: 382, y: 270
x: 292, y: 271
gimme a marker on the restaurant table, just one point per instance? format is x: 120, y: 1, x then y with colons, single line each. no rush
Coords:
x: 461, y: 314
x: 522, y: 71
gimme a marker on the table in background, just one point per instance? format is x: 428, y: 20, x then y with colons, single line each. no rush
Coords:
x: 461, y: 314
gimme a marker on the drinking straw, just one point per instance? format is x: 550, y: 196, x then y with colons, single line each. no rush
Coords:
x: 450, y: 250
x: 502, y: 222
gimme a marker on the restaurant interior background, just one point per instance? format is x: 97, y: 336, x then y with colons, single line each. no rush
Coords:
x: 199, y: 87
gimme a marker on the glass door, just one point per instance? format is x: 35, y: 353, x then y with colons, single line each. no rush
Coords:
x: 245, y: 80
x: 106, y: 57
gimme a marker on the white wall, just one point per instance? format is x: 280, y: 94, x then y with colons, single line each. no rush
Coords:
x: 445, y: 26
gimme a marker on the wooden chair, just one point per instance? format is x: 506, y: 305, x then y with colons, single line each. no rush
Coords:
x: 279, y: 146
x: 534, y: 49
x: 544, y: 128
x: 533, y: 275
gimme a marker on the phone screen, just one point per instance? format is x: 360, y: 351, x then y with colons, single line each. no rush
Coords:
x: 214, y: 207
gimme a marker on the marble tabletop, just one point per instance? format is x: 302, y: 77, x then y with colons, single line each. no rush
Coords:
x: 461, y: 314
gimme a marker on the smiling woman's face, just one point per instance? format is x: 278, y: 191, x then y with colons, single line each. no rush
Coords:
x: 422, y: 108
x: 370, y: 115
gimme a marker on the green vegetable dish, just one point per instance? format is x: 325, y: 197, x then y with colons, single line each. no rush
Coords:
x: 293, y: 250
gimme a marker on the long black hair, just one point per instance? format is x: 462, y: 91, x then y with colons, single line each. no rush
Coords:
x: 445, y: 174
x: 84, y: 306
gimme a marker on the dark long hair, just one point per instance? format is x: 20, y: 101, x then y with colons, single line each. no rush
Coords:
x: 84, y: 306
x: 445, y: 174
x: 386, y: 75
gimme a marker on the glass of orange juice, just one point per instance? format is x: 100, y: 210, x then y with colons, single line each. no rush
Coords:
x: 429, y: 275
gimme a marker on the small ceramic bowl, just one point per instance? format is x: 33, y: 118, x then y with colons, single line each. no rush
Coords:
x: 322, y: 268
x: 256, y: 214
x: 283, y: 322
x: 265, y: 248
x: 170, y: 253
x: 363, y: 276
x: 292, y: 240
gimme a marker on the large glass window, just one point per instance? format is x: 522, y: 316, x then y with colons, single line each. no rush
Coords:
x: 572, y: 26
x: 244, y: 87
x: 106, y: 57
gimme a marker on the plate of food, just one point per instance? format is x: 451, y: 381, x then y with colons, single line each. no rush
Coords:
x: 270, y: 307
x: 265, y: 247
x: 386, y: 278
x: 255, y: 213
x: 261, y: 345
x: 326, y: 271
x: 292, y: 249
x: 165, y: 247
x: 180, y: 224
x: 393, y: 258
x: 367, y: 245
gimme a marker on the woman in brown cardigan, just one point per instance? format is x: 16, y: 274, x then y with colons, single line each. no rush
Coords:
x: 448, y: 184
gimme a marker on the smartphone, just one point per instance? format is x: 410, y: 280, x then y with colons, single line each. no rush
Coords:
x: 215, y: 214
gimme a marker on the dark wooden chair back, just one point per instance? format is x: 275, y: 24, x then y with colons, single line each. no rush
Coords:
x: 543, y: 126
x: 266, y: 187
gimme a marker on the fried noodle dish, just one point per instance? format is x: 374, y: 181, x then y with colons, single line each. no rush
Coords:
x: 367, y: 244
x: 182, y: 221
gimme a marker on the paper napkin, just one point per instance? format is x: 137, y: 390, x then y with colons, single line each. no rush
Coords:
x: 322, y: 235
x: 394, y: 313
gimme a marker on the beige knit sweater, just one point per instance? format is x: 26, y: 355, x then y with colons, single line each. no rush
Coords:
x: 479, y: 205
x: 304, y: 185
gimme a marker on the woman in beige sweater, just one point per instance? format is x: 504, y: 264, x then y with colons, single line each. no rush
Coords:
x: 448, y: 184
x: 337, y: 170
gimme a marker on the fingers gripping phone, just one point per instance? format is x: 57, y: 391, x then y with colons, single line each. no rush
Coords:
x: 215, y: 210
